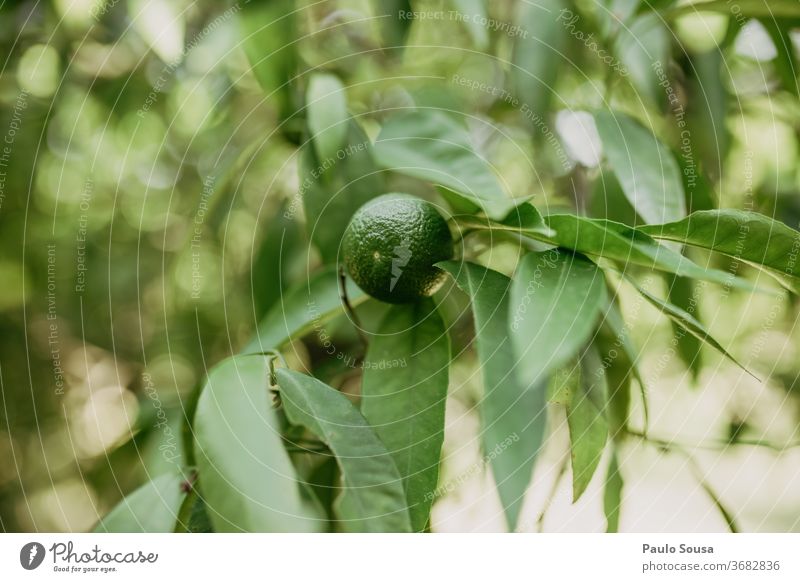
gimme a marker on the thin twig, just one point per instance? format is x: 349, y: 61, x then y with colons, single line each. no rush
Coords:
x: 551, y: 496
x: 711, y: 445
x: 697, y: 473
x: 727, y: 515
x: 349, y: 308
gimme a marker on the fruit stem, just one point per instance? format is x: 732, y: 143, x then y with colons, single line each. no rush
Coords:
x: 349, y: 308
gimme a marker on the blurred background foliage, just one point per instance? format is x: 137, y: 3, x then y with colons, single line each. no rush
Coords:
x: 151, y: 151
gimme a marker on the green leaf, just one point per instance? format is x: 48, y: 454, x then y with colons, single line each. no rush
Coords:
x: 612, y: 498
x: 268, y: 38
x: 513, y: 412
x: 747, y: 236
x: 473, y: 12
x: 746, y: 8
x: 249, y: 483
x: 527, y: 217
x: 686, y: 321
x: 432, y: 146
x: 645, y: 168
x: 708, y: 104
x: 539, y: 53
x: 302, y: 309
x: 628, y: 246
x: 555, y: 305
x: 152, y: 508
x: 682, y: 293
x: 403, y: 393
x: 642, y: 46
x: 609, y: 240
x: 609, y: 202
x: 281, y: 248
x: 327, y: 114
x: 373, y: 499
x: 618, y: 358
x: 588, y: 428
x: 333, y: 188
x: 198, y: 521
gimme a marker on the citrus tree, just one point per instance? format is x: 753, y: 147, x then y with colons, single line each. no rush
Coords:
x: 332, y: 417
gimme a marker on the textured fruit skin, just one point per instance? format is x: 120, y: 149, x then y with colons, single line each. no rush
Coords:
x: 391, y: 245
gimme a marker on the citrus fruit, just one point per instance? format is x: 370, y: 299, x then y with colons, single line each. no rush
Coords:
x: 391, y: 246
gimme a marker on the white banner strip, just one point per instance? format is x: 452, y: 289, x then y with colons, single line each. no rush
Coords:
x: 390, y: 557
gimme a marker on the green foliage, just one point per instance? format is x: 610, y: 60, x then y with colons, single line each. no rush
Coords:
x: 682, y: 293
x: 372, y: 499
x: 687, y: 322
x: 403, y: 397
x: 201, y: 176
x: 612, y: 498
x: 267, y: 33
x: 588, y: 428
x: 247, y: 478
x: 746, y: 236
x: 512, y: 432
x: 308, y: 305
x: 537, y: 54
x: 431, y: 146
x: 334, y: 187
x: 555, y: 307
x: 327, y: 114
x: 645, y: 168
x: 153, y: 508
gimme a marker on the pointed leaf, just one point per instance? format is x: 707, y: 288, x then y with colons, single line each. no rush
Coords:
x: 749, y: 236
x: 527, y: 217
x: 682, y: 293
x: 588, y: 428
x: 618, y: 358
x: 432, y: 146
x: 249, y: 483
x: 609, y: 240
x: 373, y: 499
x: 612, y: 498
x: 403, y: 397
x: 512, y: 412
x: 645, y: 168
x: 152, y: 508
x: 686, y: 321
x: 625, y: 245
x: 555, y: 304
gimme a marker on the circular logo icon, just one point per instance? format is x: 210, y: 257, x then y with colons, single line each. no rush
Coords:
x: 31, y: 555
